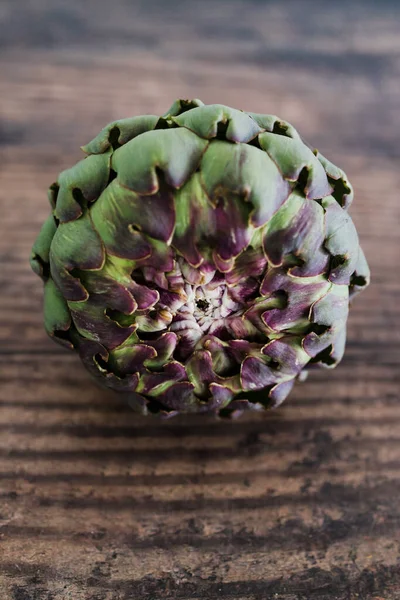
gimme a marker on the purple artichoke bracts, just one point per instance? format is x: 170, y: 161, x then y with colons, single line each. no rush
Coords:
x: 200, y: 261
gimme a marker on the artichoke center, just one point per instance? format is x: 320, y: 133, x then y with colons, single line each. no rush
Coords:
x: 195, y: 303
x: 206, y: 311
x: 209, y: 305
x: 202, y: 304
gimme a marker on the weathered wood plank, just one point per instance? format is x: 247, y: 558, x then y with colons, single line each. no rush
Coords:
x: 97, y: 503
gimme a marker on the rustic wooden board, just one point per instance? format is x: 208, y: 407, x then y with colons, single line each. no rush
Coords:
x: 298, y: 504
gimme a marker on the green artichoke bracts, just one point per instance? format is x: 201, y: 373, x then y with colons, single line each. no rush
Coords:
x: 199, y: 261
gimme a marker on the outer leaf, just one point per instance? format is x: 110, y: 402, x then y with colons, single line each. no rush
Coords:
x: 119, y: 133
x: 245, y: 171
x: 300, y: 295
x: 274, y: 124
x: 94, y: 356
x: 343, y: 191
x: 341, y: 242
x: 114, y: 218
x: 75, y: 245
x: 204, y: 122
x: 182, y: 105
x: 292, y: 156
x: 82, y: 183
x: 57, y: 317
x: 176, y: 152
x: 297, y: 231
x: 40, y: 255
x: 361, y: 276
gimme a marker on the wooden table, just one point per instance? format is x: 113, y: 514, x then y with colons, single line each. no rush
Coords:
x: 301, y: 503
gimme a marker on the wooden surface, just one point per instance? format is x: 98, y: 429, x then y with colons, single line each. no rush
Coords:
x: 299, y: 504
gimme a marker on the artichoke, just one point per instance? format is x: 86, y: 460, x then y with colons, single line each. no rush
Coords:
x: 200, y: 261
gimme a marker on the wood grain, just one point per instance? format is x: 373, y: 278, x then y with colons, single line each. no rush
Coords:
x: 297, y: 504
